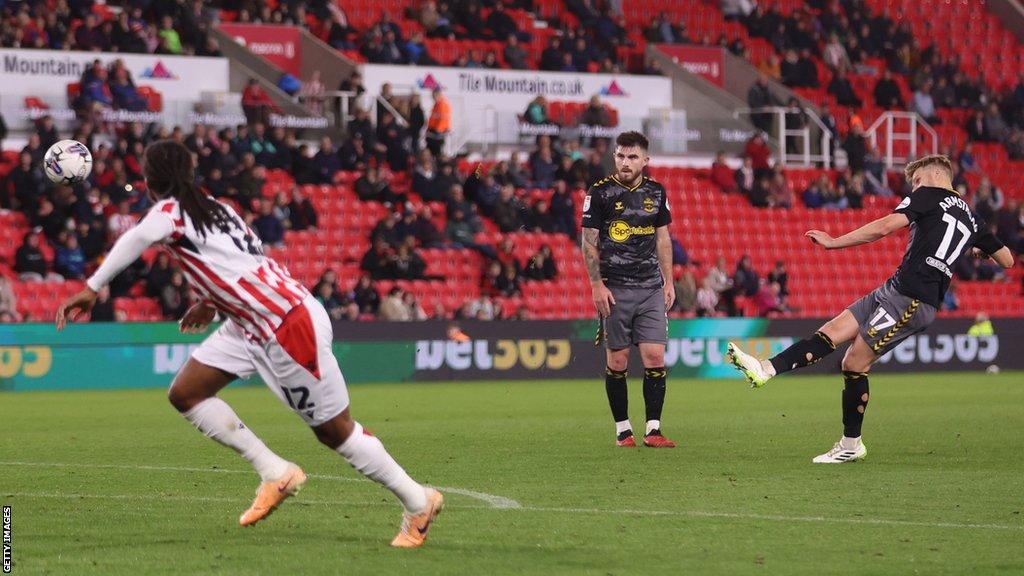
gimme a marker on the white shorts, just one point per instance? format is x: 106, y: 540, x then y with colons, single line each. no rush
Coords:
x: 298, y: 365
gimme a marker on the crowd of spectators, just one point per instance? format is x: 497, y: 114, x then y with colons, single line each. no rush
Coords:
x: 173, y: 28
x: 721, y: 293
x: 850, y: 39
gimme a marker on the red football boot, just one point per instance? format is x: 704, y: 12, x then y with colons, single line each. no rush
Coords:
x: 654, y: 439
x: 625, y: 440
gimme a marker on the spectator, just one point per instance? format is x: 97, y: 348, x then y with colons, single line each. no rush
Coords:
x: 536, y: 111
x: 977, y: 129
x: 123, y: 91
x: 943, y: 93
x: 544, y: 168
x: 760, y: 96
x: 439, y: 123
x: 500, y: 23
x: 29, y: 261
x: 540, y: 218
x: 490, y: 279
x: 158, y: 274
x: 302, y: 215
x: 366, y: 295
x: 70, y: 261
x: 541, y: 265
x: 707, y: 298
x: 966, y: 159
x: 508, y: 283
x: 835, y: 55
x: 995, y: 127
x: 722, y: 175
x: 722, y: 286
x: 760, y: 194
x: 887, y: 92
x: 595, y: 114
x: 923, y: 103
x: 563, y: 210
x: 256, y: 103
x: 767, y: 300
x: 514, y: 54
x: 856, y: 149
x: 328, y: 298
x: 744, y: 176
x: 771, y: 67
x: 393, y: 308
x: 780, y: 193
x: 8, y: 301
x: 779, y: 275
x: 170, y: 37
x: 24, y: 185
x: 759, y: 153
x: 686, y: 293
x: 174, y: 298
x: 47, y: 130
x: 482, y: 308
x: 268, y: 226
x: 416, y: 311
x: 988, y: 200
x: 312, y: 93
x: 417, y: 121
x: 734, y: 10
x: 426, y: 233
x: 745, y: 279
x: 405, y: 264
x: 841, y: 88
x: 508, y: 211
x: 103, y: 309
x: 551, y: 57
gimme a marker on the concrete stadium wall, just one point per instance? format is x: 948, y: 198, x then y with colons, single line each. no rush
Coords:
x: 147, y: 355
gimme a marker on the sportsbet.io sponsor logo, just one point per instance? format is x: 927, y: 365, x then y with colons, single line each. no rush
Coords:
x: 620, y: 231
x: 497, y: 355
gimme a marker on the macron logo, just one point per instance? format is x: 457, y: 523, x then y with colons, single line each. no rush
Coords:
x: 428, y: 83
x: 613, y: 89
x: 159, y: 72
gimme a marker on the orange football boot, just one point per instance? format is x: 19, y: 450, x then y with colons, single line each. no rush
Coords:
x: 656, y: 440
x: 415, y: 526
x: 270, y: 495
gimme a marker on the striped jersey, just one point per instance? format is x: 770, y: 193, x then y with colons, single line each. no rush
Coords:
x: 227, y: 267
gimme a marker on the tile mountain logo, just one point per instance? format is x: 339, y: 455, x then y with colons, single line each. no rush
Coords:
x: 428, y: 82
x: 159, y: 72
x: 613, y: 89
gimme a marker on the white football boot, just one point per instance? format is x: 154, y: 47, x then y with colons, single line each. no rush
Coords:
x: 840, y: 454
x: 751, y: 367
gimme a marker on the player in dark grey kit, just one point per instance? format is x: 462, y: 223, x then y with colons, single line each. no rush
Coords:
x: 628, y: 255
x: 942, y: 228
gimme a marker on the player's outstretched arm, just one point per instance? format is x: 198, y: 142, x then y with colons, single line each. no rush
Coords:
x: 867, y: 233
x: 153, y: 228
x: 1003, y: 257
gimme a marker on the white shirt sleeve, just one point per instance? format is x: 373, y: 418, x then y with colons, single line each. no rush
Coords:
x: 156, y: 226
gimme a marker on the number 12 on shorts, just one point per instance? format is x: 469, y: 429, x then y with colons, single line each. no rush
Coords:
x: 302, y: 393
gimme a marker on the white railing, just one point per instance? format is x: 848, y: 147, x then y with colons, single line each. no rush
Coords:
x: 901, y: 126
x: 806, y: 156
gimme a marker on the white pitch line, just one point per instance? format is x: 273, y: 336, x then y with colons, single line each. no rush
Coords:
x: 621, y: 512
x: 494, y: 502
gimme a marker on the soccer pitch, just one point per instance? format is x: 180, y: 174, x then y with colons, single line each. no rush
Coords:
x: 118, y: 483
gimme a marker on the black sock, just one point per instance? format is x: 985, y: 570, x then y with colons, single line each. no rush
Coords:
x: 654, y: 392
x: 618, y: 396
x: 804, y: 353
x: 855, y: 401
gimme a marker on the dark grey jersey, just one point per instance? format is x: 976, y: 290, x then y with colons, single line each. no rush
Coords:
x: 626, y: 219
x: 942, y: 228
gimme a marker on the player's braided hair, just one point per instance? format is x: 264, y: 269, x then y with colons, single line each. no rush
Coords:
x: 930, y: 160
x: 170, y: 172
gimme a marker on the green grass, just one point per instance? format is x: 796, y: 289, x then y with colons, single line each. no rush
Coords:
x: 941, y: 492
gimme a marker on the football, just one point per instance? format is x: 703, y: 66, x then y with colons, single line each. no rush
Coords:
x: 67, y: 162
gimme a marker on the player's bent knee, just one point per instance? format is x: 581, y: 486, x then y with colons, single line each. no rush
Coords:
x: 335, y: 431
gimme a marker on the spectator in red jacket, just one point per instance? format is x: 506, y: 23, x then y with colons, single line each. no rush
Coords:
x: 759, y: 153
x: 256, y: 103
x: 722, y: 175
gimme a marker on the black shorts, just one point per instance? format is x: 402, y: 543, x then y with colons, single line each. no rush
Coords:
x: 887, y: 317
x: 638, y: 316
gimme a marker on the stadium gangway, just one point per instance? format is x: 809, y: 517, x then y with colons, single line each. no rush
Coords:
x: 890, y: 122
x: 806, y: 157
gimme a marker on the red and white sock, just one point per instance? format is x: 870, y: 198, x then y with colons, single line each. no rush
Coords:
x: 217, y: 420
x: 367, y: 455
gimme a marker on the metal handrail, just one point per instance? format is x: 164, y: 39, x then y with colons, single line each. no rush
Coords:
x: 780, y: 112
x: 889, y: 119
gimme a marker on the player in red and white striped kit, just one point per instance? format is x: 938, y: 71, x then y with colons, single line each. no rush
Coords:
x: 273, y: 327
